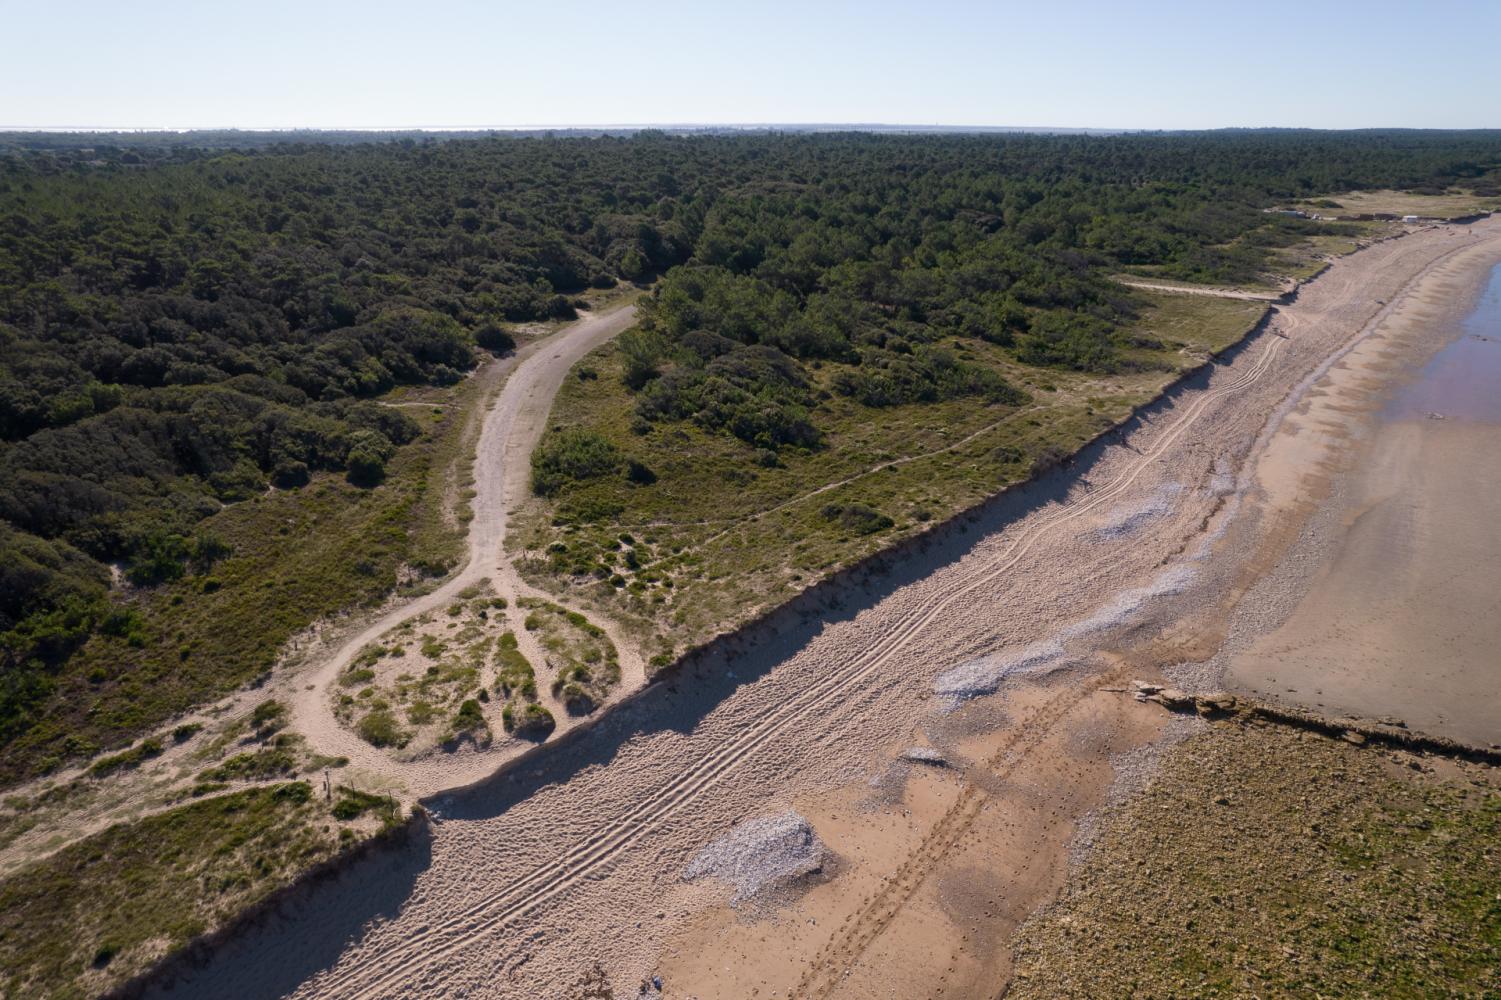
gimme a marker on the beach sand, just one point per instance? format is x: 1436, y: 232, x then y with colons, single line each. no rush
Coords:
x: 1396, y: 460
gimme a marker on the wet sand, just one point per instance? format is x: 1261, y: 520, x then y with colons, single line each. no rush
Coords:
x: 1400, y: 449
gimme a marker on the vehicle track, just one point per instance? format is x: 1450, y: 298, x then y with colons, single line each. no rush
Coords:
x: 828, y: 967
x: 558, y: 876
x: 1207, y: 290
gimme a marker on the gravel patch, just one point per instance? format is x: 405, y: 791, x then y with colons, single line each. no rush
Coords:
x: 926, y: 755
x: 1131, y: 518
x: 762, y: 853
x: 983, y: 675
x: 1125, y: 605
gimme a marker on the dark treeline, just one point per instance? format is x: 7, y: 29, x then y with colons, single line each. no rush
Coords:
x: 182, y: 327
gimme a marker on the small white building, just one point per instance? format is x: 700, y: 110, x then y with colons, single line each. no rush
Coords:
x: 1410, y: 219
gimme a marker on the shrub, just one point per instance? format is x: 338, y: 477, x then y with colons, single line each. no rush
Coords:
x: 857, y: 518
x: 268, y: 717
x: 266, y: 712
x: 1063, y: 340
x: 470, y: 717
x: 494, y: 338
x: 290, y: 475
x: 532, y: 721
x: 365, y: 462
x: 572, y: 455
x: 576, y: 698
x: 380, y: 729
x: 639, y: 474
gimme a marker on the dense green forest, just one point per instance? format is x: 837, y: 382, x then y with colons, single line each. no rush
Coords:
x: 185, y: 328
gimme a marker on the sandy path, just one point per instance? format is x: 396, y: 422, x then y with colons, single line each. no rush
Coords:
x: 1212, y: 291
x: 532, y: 878
x: 513, y: 425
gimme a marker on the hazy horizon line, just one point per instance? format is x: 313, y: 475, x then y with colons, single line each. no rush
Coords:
x: 685, y: 126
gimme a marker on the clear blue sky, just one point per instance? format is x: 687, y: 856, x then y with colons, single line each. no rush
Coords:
x: 1144, y: 64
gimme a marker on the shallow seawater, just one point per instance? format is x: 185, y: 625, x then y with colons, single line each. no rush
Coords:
x: 1462, y: 381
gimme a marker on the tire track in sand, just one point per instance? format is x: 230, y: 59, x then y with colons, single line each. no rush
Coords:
x: 437, y: 941
x: 828, y: 968
x: 836, y: 958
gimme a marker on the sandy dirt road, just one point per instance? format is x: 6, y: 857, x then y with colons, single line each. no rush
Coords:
x: 554, y: 877
x: 509, y: 427
x: 1211, y: 291
x: 512, y: 427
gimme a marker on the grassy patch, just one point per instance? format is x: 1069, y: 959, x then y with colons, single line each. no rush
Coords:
x: 105, y: 908
x: 417, y: 685
x: 126, y: 760
x: 275, y: 760
x: 584, y: 662
x: 516, y: 685
x: 725, y: 527
x: 1452, y: 204
x: 352, y: 804
x: 1264, y: 862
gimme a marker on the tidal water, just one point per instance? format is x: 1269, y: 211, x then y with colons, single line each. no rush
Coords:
x: 1462, y: 381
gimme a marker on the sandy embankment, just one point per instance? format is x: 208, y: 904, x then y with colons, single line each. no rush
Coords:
x: 1051, y: 595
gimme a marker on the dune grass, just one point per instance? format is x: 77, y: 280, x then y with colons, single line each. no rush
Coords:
x: 718, y: 529
x: 105, y: 908
x: 1452, y: 204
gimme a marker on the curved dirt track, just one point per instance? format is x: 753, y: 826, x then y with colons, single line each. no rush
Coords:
x: 513, y: 424
x: 575, y: 858
x: 1217, y: 293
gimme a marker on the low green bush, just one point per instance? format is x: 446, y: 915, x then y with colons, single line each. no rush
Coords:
x: 379, y: 728
x: 572, y: 455
x: 857, y: 518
